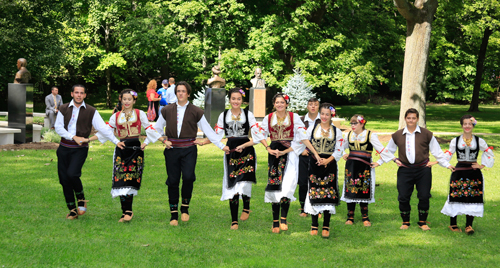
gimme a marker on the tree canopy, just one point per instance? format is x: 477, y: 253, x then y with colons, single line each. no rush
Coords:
x: 348, y: 50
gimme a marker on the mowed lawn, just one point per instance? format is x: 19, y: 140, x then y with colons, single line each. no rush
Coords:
x: 35, y: 232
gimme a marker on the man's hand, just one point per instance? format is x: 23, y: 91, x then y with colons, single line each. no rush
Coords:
x: 79, y: 140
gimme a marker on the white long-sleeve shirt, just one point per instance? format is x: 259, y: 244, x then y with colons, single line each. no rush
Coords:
x: 97, y: 123
x: 202, y: 124
x: 434, y: 148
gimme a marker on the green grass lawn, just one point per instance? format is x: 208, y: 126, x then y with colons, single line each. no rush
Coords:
x: 35, y: 232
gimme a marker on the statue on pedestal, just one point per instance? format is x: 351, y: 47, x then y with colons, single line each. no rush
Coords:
x: 23, y: 76
x: 257, y: 81
x: 216, y: 81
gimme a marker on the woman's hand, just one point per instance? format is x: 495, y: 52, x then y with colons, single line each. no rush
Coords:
x: 239, y: 149
x: 374, y: 164
x: 345, y: 157
x: 143, y: 146
x: 477, y: 166
x: 226, y: 149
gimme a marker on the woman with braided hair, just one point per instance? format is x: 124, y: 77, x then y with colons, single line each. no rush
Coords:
x: 288, y: 137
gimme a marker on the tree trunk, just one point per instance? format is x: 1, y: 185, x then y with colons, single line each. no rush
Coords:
x: 419, y: 19
x: 108, y: 71
x: 474, y: 104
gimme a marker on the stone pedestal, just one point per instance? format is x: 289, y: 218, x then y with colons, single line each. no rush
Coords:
x: 20, y: 102
x: 215, y: 104
x: 258, y: 102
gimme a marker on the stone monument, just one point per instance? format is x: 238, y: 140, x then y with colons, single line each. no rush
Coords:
x: 215, y: 97
x: 258, y: 95
x: 20, y: 101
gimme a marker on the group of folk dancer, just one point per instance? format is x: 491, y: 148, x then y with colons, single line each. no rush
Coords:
x: 303, y: 150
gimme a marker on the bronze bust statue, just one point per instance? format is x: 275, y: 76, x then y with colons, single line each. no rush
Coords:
x: 23, y: 76
x: 216, y: 81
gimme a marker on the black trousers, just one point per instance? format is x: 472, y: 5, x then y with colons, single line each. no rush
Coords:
x: 180, y: 162
x: 408, y: 179
x: 303, y: 177
x: 69, y: 166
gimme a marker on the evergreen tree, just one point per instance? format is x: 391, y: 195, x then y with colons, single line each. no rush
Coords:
x: 299, y: 92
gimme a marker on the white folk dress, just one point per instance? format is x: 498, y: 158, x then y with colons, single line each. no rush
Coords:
x: 453, y: 209
x: 289, y: 182
x: 337, y: 154
x: 235, y: 129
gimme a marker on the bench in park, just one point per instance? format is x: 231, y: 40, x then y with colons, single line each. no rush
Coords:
x: 7, y: 134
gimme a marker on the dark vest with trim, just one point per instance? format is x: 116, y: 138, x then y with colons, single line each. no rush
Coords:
x: 246, y: 125
x: 365, y: 145
x: 422, y: 141
x: 189, y: 129
x: 84, y: 120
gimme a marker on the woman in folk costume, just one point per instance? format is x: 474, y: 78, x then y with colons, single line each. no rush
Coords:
x: 288, y: 136
x: 241, y: 162
x: 323, y: 193
x: 466, y: 182
x: 128, y: 164
x: 359, y: 182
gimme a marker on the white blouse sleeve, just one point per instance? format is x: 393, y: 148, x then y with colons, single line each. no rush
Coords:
x: 257, y: 131
x: 152, y: 134
x: 300, y: 134
x: 487, y: 158
x: 111, y: 124
x: 385, y: 156
x: 337, y: 154
x: 219, y: 127
x: 453, y: 148
x: 265, y: 126
x: 209, y: 132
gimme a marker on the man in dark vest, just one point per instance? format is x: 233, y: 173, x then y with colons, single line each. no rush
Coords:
x: 74, y: 123
x: 309, y: 120
x: 181, y: 121
x: 414, y: 144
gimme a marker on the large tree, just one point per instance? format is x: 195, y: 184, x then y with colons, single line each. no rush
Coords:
x: 419, y: 16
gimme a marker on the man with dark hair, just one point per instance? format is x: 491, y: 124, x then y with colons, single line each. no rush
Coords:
x: 309, y: 120
x: 414, y: 144
x: 74, y: 123
x: 52, y: 102
x: 181, y: 121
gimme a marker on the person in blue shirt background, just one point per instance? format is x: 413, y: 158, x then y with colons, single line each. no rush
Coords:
x: 163, y: 94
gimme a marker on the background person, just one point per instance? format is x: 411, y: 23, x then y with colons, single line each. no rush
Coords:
x: 52, y: 103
